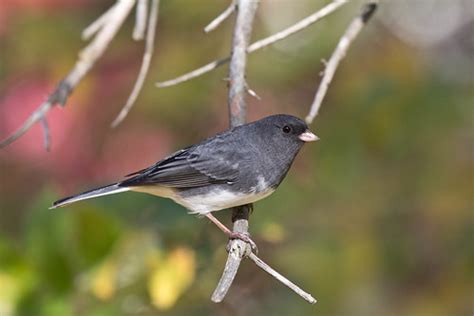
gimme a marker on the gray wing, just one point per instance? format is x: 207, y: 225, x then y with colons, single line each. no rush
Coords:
x: 204, y: 164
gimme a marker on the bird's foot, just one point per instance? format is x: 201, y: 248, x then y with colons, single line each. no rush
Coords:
x: 246, y: 238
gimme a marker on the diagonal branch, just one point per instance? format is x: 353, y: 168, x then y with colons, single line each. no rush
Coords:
x: 149, y: 45
x: 140, y: 20
x: 339, y: 53
x: 110, y: 23
x: 99, y: 23
x: 295, y: 28
x: 309, y: 20
x: 224, y: 15
x: 261, y: 264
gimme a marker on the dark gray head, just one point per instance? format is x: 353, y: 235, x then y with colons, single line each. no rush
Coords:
x: 285, y: 131
x: 277, y: 138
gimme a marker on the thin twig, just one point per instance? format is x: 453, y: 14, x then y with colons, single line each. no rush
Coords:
x: 301, y: 25
x: 59, y: 96
x: 259, y: 262
x: 304, y: 23
x: 224, y: 15
x: 150, y: 43
x: 87, y: 58
x: 237, y: 114
x: 339, y: 53
x: 193, y: 74
x: 140, y: 20
x: 46, y: 135
x: 253, y: 94
x: 95, y: 26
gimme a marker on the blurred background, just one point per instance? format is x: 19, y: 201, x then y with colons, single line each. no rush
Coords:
x: 374, y: 219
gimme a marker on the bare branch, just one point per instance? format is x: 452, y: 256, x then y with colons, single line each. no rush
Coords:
x: 237, y: 250
x: 237, y: 114
x: 301, y: 25
x: 311, y: 19
x: 237, y: 84
x: 47, y: 138
x: 140, y: 20
x: 193, y: 74
x: 59, y: 96
x: 224, y: 15
x: 106, y: 31
x: 339, y: 53
x: 150, y: 43
x: 95, y: 26
x: 253, y: 94
x: 259, y: 262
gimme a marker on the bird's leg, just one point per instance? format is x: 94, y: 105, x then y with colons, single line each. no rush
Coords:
x: 231, y: 234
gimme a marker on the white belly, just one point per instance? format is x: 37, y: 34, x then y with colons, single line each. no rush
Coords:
x: 218, y: 200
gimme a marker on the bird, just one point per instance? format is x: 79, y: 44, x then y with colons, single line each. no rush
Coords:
x: 237, y: 167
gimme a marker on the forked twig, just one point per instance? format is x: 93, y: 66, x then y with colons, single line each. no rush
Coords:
x: 105, y: 28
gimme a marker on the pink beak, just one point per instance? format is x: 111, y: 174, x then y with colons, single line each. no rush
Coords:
x: 308, y: 136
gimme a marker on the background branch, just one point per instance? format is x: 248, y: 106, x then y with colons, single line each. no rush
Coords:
x: 224, y: 15
x: 149, y: 45
x: 105, y: 29
x: 339, y: 53
x: 304, y: 23
x: 141, y: 11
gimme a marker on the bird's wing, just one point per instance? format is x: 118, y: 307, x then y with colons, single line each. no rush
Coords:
x: 194, y: 166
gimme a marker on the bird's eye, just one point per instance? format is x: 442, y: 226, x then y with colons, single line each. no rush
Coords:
x: 286, y: 129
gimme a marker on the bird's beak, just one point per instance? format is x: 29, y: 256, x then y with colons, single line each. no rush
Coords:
x: 308, y: 136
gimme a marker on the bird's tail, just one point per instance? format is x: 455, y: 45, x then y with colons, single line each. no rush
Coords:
x: 109, y: 189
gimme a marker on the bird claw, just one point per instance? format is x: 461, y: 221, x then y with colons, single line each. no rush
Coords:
x: 246, y: 238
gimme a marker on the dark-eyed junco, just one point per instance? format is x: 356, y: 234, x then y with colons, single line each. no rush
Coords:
x: 240, y: 166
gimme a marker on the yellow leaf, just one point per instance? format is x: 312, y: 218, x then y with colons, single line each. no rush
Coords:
x: 273, y: 232
x: 171, y: 278
x: 103, y: 284
x: 9, y: 290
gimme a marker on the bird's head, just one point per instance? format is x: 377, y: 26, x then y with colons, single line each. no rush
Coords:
x: 287, y: 129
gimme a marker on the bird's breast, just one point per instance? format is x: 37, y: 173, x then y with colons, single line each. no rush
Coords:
x: 218, y: 198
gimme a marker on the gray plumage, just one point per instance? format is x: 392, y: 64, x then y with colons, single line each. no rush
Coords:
x: 236, y: 167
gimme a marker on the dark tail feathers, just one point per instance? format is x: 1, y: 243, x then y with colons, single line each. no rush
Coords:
x: 109, y: 189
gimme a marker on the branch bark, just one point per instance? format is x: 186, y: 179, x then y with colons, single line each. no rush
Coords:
x: 238, y: 249
x: 260, y: 263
